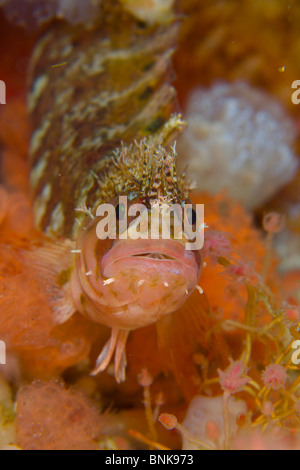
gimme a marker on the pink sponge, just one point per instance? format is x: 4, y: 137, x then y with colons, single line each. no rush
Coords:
x: 49, y: 417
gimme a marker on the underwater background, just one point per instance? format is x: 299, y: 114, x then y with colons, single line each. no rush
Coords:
x: 222, y: 371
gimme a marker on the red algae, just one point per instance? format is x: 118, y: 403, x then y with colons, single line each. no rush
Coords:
x: 247, y: 252
x: 52, y: 417
x: 26, y: 320
x: 49, y: 417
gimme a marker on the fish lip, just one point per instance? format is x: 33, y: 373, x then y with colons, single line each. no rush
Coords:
x: 173, y: 249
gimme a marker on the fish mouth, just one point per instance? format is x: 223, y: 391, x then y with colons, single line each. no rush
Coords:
x: 156, y: 256
x: 168, y: 255
x: 133, y: 283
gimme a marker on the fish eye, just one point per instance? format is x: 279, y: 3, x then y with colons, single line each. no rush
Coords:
x: 120, y: 212
x: 192, y: 216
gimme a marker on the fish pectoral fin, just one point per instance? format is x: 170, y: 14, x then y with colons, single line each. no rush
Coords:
x: 52, y: 263
x: 62, y: 305
x: 120, y: 356
x: 116, y: 346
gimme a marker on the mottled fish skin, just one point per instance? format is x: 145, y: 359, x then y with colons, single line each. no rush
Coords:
x: 90, y: 90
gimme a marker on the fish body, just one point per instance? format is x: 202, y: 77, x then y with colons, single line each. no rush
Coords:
x: 90, y: 91
x: 103, y: 111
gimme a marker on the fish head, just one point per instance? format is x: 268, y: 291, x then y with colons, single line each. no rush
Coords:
x: 140, y: 257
